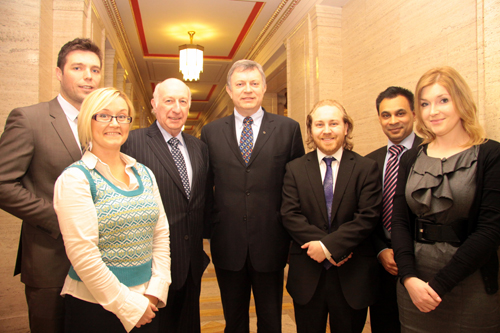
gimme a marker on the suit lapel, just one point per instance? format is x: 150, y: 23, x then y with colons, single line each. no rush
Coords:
x: 157, y: 144
x: 194, y: 158
x: 314, y: 175
x: 61, y: 126
x: 266, y: 130
x: 345, y: 170
x: 230, y: 135
x: 380, y: 162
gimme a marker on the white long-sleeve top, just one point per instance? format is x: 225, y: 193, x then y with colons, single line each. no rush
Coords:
x: 77, y: 217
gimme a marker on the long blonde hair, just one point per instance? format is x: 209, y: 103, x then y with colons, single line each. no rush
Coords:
x: 461, y: 97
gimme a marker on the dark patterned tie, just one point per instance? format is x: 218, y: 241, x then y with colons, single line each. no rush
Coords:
x: 246, y: 139
x: 328, y: 188
x: 390, y: 182
x: 180, y: 164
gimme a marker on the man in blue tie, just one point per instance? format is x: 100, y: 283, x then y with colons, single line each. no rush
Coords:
x: 248, y: 153
x: 331, y: 204
x: 396, y: 116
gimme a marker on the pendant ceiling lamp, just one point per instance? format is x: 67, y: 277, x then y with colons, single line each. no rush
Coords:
x: 191, y: 60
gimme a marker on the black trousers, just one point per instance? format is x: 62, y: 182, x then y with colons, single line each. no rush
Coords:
x: 86, y: 317
x: 182, y: 313
x: 236, y: 288
x: 384, y: 314
x: 45, y: 309
x: 329, y: 299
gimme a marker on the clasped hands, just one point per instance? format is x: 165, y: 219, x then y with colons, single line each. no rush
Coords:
x: 422, y: 295
x: 149, y: 314
x: 315, y: 252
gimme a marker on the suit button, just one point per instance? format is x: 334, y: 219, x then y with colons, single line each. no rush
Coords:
x: 244, y: 218
x: 247, y: 171
x: 248, y: 193
x: 325, y: 227
x: 186, y: 237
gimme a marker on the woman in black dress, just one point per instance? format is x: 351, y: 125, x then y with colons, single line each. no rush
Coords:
x: 446, y: 222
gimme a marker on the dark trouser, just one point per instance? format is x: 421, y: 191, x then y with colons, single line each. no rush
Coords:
x: 86, y: 317
x: 182, y: 313
x: 235, y: 289
x: 329, y: 299
x: 46, y: 309
x: 384, y: 314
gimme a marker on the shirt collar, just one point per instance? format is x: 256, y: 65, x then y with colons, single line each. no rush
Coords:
x: 167, y: 136
x: 91, y: 160
x: 407, y: 142
x: 69, y: 110
x: 337, y: 155
x: 256, y: 117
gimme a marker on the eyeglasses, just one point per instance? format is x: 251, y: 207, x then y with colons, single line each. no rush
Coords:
x: 106, y: 118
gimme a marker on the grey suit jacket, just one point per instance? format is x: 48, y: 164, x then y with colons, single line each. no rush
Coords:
x: 185, y: 216
x: 380, y: 241
x: 36, y: 146
x: 355, y: 212
x: 246, y: 218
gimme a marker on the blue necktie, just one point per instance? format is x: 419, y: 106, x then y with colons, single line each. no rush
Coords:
x: 180, y: 164
x: 328, y: 188
x: 246, y: 139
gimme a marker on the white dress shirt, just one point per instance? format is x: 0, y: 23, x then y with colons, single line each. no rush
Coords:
x: 257, y: 121
x: 79, y: 227
x: 182, y: 147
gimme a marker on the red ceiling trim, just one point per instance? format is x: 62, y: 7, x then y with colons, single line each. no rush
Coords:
x: 239, y: 40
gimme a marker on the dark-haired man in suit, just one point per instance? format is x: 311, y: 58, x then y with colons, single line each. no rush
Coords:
x: 331, y: 205
x: 396, y: 116
x: 248, y: 153
x: 38, y: 142
x: 179, y: 162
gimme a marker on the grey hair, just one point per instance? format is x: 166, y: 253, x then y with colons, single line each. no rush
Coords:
x: 156, y: 93
x: 245, y: 65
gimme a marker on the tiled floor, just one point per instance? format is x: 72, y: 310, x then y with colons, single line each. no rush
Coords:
x: 212, y: 318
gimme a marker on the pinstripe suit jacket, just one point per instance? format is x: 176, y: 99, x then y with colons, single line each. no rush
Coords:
x: 185, y: 217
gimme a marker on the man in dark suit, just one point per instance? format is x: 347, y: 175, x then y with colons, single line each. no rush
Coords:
x: 38, y: 142
x: 331, y: 205
x: 396, y: 116
x: 248, y: 153
x: 182, y: 183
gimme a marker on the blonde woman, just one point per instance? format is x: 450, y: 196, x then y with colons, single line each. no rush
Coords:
x: 114, y: 226
x: 446, y: 222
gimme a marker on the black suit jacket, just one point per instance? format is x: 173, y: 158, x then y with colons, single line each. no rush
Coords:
x: 185, y: 217
x: 355, y: 213
x: 380, y: 241
x: 36, y: 146
x: 246, y: 217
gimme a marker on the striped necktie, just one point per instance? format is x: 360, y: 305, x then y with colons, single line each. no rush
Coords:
x: 390, y: 182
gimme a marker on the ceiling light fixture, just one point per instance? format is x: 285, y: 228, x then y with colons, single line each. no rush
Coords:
x: 191, y: 60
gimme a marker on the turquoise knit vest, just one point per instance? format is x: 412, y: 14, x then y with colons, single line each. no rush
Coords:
x: 126, y: 221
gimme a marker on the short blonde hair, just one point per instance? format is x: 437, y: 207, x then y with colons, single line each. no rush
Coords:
x: 348, y: 145
x: 461, y: 97
x: 92, y: 104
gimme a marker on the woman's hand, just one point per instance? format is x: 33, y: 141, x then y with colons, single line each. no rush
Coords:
x: 422, y: 295
x: 148, y: 316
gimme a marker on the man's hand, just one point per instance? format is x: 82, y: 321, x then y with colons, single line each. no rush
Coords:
x: 315, y: 251
x: 386, y: 258
x: 148, y: 316
x: 422, y: 295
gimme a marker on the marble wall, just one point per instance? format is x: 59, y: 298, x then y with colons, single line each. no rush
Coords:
x: 354, y: 53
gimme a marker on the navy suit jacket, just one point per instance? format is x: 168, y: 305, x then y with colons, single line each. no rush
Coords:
x: 246, y: 217
x: 356, y: 206
x: 185, y: 216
